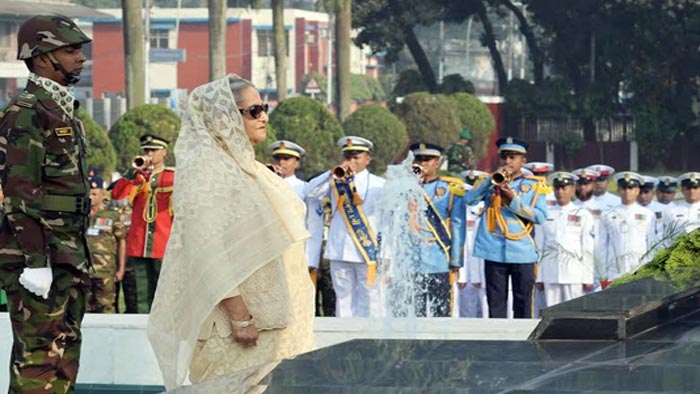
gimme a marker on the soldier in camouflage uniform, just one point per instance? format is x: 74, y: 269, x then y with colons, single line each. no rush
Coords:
x: 107, y: 241
x: 459, y: 155
x: 44, y: 259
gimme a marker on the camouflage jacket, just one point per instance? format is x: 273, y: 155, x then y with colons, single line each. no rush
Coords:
x: 459, y: 158
x: 43, y: 174
x: 103, y: 236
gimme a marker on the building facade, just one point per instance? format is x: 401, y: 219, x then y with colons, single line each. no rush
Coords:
x: 179, y: 54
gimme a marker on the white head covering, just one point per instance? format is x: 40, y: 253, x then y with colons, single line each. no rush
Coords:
x: 229, y: 222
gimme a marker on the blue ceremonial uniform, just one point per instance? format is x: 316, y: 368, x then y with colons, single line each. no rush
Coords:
x: 447, y: 198
x: 439, y: 235
x: 529, y: 205
x: 505, y: 238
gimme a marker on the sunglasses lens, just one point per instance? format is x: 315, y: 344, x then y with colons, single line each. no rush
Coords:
x: 256, y: 110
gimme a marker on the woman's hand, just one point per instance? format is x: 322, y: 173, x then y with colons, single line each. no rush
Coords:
x: 246, y: 336
x: 242, y: 323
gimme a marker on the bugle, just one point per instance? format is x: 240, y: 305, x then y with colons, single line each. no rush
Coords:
x: 500, y: 177
x: 141, y: 162
x: 342, y: 172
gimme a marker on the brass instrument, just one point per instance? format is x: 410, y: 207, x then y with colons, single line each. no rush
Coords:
x: 141, y: 162
x: 342, y: 173
x: 500, y: 177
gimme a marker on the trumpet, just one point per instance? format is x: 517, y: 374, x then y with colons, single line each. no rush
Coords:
x: 141, y: 162
x: 500, y: 177
x: 342, y: 173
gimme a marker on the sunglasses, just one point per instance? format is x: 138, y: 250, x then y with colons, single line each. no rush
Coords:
x: 255, y: 111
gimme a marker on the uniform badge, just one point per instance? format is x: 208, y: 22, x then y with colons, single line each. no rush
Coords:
x: 574, y: 219
x: 440, y: 191
x: 551, y: 203
x: 470, y: 223
x: 525, y: 188
x: 103, y: 224
x: 595, y: 212
x: 63, y: 131
x: 640, y: 216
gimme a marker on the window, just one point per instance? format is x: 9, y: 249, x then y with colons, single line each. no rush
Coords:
x: 159, y: 38
x: 265, y: 42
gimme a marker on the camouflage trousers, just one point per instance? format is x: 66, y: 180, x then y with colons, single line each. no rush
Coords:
x: 139, y: 283
x: 47, y: 337
x: 100, y: 295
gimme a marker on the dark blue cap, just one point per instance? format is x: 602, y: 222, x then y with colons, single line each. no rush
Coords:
x: 423, y: 149
x: 510, y: 144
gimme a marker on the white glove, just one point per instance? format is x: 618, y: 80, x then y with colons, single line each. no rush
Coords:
x: 37, y: 280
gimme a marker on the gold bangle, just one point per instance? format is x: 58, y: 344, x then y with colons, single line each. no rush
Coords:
x: 243, y: 323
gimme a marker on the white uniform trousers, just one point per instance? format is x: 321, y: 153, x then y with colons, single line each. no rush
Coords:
x: 353, y: 296
x: 556, y: 293
x: 539, y: 303
x: 472, y: 302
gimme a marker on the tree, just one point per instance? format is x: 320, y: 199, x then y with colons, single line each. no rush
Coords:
x: 489, y: 40
x: 134, y: 52
x: 628, y: 58
x: 387, y: 26
x: 535, y: 51
x: 475, y: 116
x: 430, y: 118
x: 454, y: 83
x: 308, y: 123
x: 145, y: 119
x: 343, y: 28
x: 100, y: 153
x: 409, y: 81
x: 279, y: 44
x: 217, y: 38
x: 384, y: 129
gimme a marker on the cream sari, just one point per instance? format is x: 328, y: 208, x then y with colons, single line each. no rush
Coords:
x: 237, y: 230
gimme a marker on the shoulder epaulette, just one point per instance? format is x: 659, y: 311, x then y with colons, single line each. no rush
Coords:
x: 542, y: 185
x: 455, y: 185
x: 535, y: 178
x: 169, y: 169
x: 26, y: 99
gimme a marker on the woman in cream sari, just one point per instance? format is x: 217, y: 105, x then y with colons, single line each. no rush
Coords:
x: 234, y: 290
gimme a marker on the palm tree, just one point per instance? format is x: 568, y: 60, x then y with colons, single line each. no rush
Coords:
x: 343, y: 26
x: 217, y: 38
x: 134, y: 53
